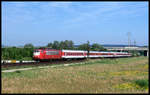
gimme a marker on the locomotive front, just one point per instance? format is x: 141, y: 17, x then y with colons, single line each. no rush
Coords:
x: 36, y: 54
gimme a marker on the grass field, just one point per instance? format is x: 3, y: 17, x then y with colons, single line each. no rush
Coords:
x: 123, y: 75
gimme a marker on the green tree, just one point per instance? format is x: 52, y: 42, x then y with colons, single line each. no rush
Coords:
x: 56, y: 45
x: 97, y: 47
x: 83, y: 47
x: 62, y: 45
x: 16, y: 53
x: 50, y: 45
x: 28, y: 45
x: 66, y: 44
x: 71, y: 44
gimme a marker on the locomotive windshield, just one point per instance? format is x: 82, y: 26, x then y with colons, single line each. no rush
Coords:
x: 36, y: 52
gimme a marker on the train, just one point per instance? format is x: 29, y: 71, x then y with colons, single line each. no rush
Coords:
x: 53, y: 54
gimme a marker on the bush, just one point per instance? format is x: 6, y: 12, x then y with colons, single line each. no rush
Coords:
x: 13, y: 53
x: 27, y: 58
x: 143, y: 83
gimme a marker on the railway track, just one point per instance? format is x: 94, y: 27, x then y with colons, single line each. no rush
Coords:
x: 5, y: 65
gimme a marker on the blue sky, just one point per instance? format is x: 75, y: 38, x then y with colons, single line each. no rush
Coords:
x: 99, y: 22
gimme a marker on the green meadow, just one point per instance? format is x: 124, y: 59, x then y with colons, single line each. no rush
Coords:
x: 121, y: 75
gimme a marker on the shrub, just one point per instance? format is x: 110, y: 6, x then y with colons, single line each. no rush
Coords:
x: 143, y: 83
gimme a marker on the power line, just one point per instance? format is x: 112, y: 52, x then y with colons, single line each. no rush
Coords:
x: 129, y: 40
x: 134, y: 43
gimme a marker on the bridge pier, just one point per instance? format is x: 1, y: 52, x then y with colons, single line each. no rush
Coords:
x: 145, y: 53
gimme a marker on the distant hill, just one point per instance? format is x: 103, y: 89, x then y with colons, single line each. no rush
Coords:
x: 111, y: 45
x: 105, y: 45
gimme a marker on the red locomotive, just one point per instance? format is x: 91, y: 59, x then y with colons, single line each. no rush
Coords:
x: 50, y: 54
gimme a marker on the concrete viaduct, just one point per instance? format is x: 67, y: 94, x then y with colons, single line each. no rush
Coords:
x: 142, y: 49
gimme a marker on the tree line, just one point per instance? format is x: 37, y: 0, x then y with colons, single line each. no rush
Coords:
x: 68, y: 44
x: 26, y: 53
x: 14, y: 53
